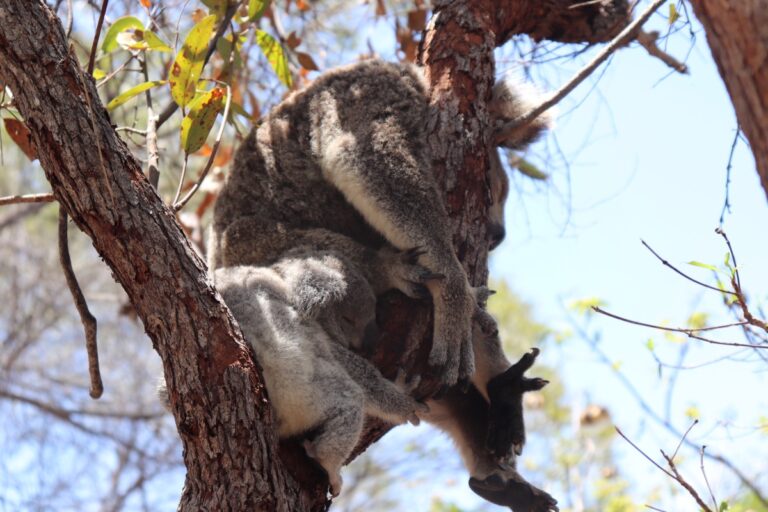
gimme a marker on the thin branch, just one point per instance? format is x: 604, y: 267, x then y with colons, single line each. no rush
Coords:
x: 688, y: 487
x: 721, y: 232
x: 688, y: 332
x: 620, y: 40
x: 181, y: 179
x: 99, y: 24
x: 180, y: 204
x: 70, y: 18
x: 131, y: 129
x: 704, y: 474
x: 684, y: 437
x: 116, y: 71
x: 29, y: 198
x: 88, y: 320
x: 152, y: 153
x: 641, y: 452
x: 728, y: 167
x: 668, y: 264
x: 648, y: 41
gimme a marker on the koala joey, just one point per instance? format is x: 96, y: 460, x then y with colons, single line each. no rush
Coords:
x: 318, y: 388
x: 348, y: 156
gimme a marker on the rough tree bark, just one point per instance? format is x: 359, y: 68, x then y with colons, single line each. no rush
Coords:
x: 218, y: 399
x: 737, y: 33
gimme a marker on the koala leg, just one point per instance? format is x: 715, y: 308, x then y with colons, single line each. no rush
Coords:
x: 465, y: 416
x: 383, y: 399
x: 336, y: 439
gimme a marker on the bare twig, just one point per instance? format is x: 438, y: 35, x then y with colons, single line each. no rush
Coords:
x: 683, y: 438
x: 668, y: 264
x: 690, y: 332
x: 673, y: 473
x: 683, y: 482
x: 704, y: 474
x: 223, y: 25
x: 29, y: 198
x: 152, y: 154
x: 131, y: 129
x: 728, y: 167
x: 116, y: 71
x: 180, y: 204
x: 641, y: 452
x: 181, y: 179
x: 620, y: 40
x: 99, y: 24
x: 648, y: 41
x: 88, y: 320
x: 721, y: 232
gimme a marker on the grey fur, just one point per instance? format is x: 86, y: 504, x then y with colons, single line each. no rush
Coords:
x: 315, y: 385
x: 347, y: 158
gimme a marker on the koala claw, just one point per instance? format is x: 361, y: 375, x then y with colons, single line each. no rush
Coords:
x: 515, y: 493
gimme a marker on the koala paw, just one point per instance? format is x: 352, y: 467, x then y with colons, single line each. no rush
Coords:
x: 411, y: 406
x: 506, y: 429
x: 452, y: 355
x: 404, y: 273
x: 514, y: 492
x: 334, y: 476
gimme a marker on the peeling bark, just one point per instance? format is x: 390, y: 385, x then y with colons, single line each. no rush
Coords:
x: 737, y: 33
x: 218, y: 398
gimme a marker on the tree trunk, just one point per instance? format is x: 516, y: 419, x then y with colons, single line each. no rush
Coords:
x: 737, y: 33
x: 217, y: 396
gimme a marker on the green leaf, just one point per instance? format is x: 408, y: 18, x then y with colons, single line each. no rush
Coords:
x: 649, y: 344
x: 586, y: 304
x: 673, y: 14
x: 256, y: 8
x: 723, y: 506
x: 120, y: 25
x: 155, y: 43
x: 275, y: 55
x: 202, y: 114
x: 698, y: 320
x: 189, y: 62
x: 98, y: 74
x: 217, y: 7
x: 528, y: 169
x: 133, y: 91
x: 703, y: 265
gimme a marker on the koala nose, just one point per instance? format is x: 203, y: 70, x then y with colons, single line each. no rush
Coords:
x: 496, y: 234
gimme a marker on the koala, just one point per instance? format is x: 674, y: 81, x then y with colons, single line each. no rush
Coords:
x: 318, y: 388
x: 347, y: 158
x: 343, y: 166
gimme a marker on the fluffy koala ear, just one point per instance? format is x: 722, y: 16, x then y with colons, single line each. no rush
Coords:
x: 511, y: 99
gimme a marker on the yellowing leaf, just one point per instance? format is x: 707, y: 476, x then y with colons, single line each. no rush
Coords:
x: 189, y: 62
x: 202, y: 114
x: 275, y: 55
x: 586, y: 304
x: 98, y: 74
x: 256, y: 9
x: 146, y: 3
x: 120, y: 25
x: 673, y: 14
x: 133, y: 91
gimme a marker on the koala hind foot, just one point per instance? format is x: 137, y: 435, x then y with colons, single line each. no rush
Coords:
x: 515, y: 493
x: 506, y: 429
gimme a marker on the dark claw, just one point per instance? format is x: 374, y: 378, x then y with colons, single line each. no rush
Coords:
x: 463, y: 385
x: 432, y: 276
x: 412, y: 255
